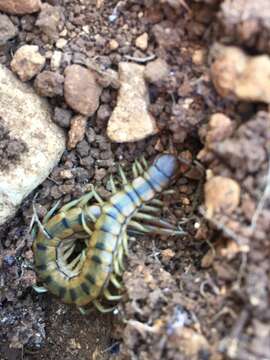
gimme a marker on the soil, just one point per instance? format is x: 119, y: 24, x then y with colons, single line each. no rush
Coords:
x: 202, y: 296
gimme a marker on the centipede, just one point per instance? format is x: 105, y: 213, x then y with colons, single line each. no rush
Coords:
x: 102, y: 228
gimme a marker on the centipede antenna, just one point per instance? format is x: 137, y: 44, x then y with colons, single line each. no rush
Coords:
x: 135, y: 171
x: 115, y: 282
x: 112, y: 184
x: 111, y: 297
x: 101, y: 308
x: 123, y: 175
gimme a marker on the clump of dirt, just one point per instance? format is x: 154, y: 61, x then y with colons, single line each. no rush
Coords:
x: 11, y: 148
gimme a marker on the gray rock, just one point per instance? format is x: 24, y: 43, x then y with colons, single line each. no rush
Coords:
x: 7, y: 29
x: 27, y: 117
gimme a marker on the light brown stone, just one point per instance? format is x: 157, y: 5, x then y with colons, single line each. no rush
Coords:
x: 27, y: 62
x: 20, y: 7
x: 81, y: 90
x: 238, y: 75
x: 130, y: 120
x: 222, y: 194
x: 77, y: 131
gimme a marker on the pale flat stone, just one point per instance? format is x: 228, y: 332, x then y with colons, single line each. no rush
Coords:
x: 130, y: 120
x: 28, y: 118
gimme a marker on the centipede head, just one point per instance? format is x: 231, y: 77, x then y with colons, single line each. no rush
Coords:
x: 168, y: 164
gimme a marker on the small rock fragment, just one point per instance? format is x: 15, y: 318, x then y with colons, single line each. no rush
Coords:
x: 62, y: 117
x: 7, y: 29
x: 222, y: 194
x: 19, y: 7
x: 130, y: 120
x: 81, y: 90
x: 240, y: 76
x: 61, y: 43
x: 113, y: 44
x: 49, y: 20
x: 49, y: 84
x: 142, y: 41
x: 56, y: 60
x: 189, y: 343
x: 77, y: 131
x: 27, y: 62
x: 28, y: 118
x: 156, y: 70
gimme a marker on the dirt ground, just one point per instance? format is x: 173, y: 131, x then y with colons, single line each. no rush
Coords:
x: 202, y: 296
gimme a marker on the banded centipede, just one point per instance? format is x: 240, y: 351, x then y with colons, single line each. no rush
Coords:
x: 104, y: 226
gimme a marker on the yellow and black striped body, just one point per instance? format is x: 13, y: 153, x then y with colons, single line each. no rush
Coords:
x: 93, y: 273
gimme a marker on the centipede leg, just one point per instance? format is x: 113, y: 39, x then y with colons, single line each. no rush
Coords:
x: 123, y: 175
x: 116, y: 267
x: 139, y: 167
x: 39, y: 289
x: 135, y: 171
x: 120, y: 256
x: 125, y: 244
x: 111, y: 297
x: 112, y: 184
x: 115, y: 282
x: 153, y: 219
x: 150, y: 209
x: 144, y: 162
x: 101, y: 308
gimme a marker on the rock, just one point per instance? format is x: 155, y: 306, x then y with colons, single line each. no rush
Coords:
x: 77, y: 131
x: 56, y: 60
x: 130, y: 120
x: 49, y: 21
x: 251, y: 30
x: 81, y: 90
x: 156, y: 70
x: 237, y: 75
x: 222, y: 194
x: 7, y: 29
x: 27, y: 117
x: 49, y: 84
x: 61, y: 43
x: 62, y: 117
x: 27, y: 62
x: 19, y: 7
x: 142, y: 41
x: 113, y: 44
